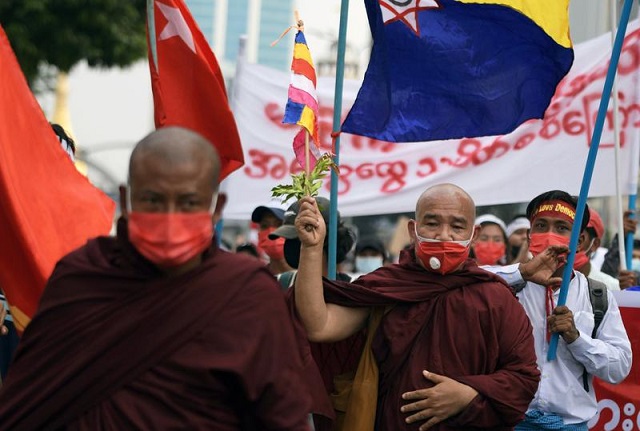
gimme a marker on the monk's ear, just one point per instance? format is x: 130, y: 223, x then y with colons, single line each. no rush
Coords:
x: 122, y: 189
x: 476, y: 232
x: 411, y: 230
x: 217, y: 213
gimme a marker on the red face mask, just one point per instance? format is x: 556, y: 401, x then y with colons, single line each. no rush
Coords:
x: 170, y: 239
x: 273, y: 247
x: 582, y: 258
x: 540, y: 241
x: 489, y: 252
x: 442, y: 257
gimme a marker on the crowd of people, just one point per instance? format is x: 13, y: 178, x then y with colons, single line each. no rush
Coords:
x: 157, y: 327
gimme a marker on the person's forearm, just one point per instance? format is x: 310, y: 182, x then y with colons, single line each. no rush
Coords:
x: 309, y: 295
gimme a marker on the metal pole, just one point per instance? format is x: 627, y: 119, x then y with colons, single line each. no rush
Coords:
x: 591, y: 161
x: 337, y: 120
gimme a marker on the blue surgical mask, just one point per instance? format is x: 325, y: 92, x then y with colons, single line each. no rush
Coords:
x: 366, y: 264
x: 635, y: 265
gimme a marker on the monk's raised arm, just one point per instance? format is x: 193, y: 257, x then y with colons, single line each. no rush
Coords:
x: 323, y: 322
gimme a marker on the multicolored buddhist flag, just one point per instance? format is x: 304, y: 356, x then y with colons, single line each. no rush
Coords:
x: 445, y: 69
x: 47, y: 207
x: 188, y: 87
x: 302, y: 106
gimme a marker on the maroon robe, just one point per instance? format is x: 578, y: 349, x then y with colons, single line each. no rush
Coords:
x: 467, y: 326
x: 115, y: 345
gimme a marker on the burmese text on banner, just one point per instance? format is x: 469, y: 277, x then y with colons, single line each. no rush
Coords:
x: 378, y: 177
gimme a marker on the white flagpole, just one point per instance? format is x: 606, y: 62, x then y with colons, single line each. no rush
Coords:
x: 616, y: 127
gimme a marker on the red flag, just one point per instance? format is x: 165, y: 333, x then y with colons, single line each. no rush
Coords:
x: 188, y: 87
x: 47, y: 208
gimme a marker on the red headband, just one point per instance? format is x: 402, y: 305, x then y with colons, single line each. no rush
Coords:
x: 556, y: 209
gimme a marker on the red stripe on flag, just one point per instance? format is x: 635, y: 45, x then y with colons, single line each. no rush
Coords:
x: 302, y: 67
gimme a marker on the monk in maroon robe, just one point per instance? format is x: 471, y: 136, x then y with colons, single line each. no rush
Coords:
x: 455, y: 351
x: 142, y: 331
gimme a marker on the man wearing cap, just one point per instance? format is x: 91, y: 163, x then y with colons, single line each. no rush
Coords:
x: 370, y: 254
x: 517, y: 239
x: 565, y: 399
x: 268, y: 220
x: 590, y: 242
x: 454, y: 349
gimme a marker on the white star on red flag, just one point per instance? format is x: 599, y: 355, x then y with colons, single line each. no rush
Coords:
x: 176, y: 26
x: 406, y: 11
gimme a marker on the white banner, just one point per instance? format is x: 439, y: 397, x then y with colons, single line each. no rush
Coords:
x: 379, y: 178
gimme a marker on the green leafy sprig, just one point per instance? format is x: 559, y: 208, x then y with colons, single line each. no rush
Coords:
x: 306, y: 186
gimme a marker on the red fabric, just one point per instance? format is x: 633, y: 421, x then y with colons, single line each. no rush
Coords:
x: 614, y: 401
x: 47, y: 208
x: 119, y: 346
x: 188, y: 87
x: 467, y: 325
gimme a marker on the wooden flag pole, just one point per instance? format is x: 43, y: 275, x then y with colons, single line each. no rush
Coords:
x: 307, y: 157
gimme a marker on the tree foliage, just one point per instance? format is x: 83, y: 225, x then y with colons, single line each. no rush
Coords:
x: 61, y: 33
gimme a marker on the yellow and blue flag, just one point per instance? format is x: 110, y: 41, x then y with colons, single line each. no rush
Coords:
x: 448, y: 69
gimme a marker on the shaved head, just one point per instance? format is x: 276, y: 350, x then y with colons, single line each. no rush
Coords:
x: 444, y: 212
x: 175, y: 146
x: 446, y: 193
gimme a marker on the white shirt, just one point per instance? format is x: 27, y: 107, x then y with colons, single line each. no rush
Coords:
x: 608, y: 356
x: 609, y: 281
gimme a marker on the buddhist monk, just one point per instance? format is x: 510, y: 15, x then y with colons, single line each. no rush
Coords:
x: 454, y: 348
x: 157, y: 328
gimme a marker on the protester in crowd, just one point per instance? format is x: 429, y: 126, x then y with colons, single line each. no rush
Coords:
x: 158, y: 328
x: 248, y: 249
x: 3, y: 315
x: 268, y: 219
x: 370, y: 254
x: 517, y: 245
x: 8, y: 337
x: 565, y: 399
x: 448, y: 326
x: 611, y: 264
x: 490, y: 247
x: 345, y: 239
x: 590, y: 241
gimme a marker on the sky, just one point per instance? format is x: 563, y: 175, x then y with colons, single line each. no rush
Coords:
x: 322, y: 22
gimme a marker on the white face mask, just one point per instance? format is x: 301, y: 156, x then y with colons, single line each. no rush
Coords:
x: 366, y: 264
x: 635, y: 265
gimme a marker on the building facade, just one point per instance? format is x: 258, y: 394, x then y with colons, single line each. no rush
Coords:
x: 262, y: 21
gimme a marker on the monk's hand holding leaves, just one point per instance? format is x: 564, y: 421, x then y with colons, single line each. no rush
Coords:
x: 446, y: 399
x: 3, y: 314
x: 541, y: 268
x: 561, y: 321
x: 310, y: 224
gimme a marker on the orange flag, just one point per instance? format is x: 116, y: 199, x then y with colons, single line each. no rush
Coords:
x: 47, y: 208
x: 188, y: 87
